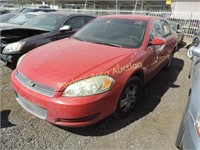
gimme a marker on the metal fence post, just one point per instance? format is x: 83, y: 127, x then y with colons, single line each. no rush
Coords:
x: 188, y: 29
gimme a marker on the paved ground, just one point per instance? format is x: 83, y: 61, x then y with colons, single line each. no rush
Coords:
x: 153, y: 125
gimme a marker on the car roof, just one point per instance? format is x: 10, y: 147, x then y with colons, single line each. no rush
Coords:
x: 69, y: 14
x: 31, y: 8
x: 139, y: 17
x: 35, y: 13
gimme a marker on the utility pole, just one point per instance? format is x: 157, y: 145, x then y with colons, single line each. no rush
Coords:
x: 85, y: 5
x: 116, y: 6
x: 17, y: 3
x: 136, y: 5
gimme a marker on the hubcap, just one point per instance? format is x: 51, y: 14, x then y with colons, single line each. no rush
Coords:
x: 128, y: 98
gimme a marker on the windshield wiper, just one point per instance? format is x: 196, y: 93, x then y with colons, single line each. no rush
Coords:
x: 110, y: 44
x: 98, y: 42
x: 77, y: 38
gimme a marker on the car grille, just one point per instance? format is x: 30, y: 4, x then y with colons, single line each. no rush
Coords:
x: 37, y: 87
x: 32, y: 108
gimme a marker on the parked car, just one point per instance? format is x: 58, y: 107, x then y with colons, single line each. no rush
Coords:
x: 178, y: 29
x: 16, y: 10
x: 196, y: 38
x: 20, y: 19
x: 26, y: 10
x: 3, y: 11
x: 45, y: 28
x: 189, y: 132
x: 6, y: 17
x: 98, y: 71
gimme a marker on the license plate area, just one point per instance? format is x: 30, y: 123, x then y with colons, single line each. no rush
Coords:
x: 31, y: 107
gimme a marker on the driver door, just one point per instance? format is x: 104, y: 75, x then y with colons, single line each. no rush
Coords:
x: 76, y: 22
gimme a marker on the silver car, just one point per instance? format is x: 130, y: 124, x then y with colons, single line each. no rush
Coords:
x: 178, y: 30
x: 189, y: 133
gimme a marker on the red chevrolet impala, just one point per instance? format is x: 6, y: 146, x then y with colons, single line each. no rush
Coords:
x: 97, y: 72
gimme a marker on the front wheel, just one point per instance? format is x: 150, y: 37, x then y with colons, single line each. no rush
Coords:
x: 129, y: 96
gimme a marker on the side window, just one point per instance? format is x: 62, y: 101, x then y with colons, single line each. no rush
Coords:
x: 75, y: 22
x: 156, y: 30
x: 165, y: 28
x: 88, y: 19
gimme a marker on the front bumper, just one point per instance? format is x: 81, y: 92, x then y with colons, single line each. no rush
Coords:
x: 10, y: 60
x: 65, y: 111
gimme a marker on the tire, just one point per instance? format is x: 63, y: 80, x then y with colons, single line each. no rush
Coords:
x: 181, y: 41
x: 168, y: 65
x: 179, y: 139
x: 11, y: 66
x: 129, y: 97
x: 195, y: 42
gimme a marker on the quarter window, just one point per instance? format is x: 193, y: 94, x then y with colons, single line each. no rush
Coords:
x: 166, y: 29
x: 157, y: 30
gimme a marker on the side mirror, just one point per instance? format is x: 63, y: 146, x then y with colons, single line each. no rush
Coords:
x: 65, y: 28
x: 158, y: 41
x: 196, y: 51
x: 193, y: 51
x: 195, y: 33
x: 189, y: 52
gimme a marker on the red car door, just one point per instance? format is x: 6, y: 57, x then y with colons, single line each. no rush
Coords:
x: 170, y: 42
x: 154, y: 53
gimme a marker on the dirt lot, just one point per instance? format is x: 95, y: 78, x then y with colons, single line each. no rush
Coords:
x: 153, y: 125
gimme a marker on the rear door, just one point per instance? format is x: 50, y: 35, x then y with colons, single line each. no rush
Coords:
x: 170, y: 41
x: 76, y: 22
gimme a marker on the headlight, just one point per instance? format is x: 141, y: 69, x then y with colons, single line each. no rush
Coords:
x: 13, y: 47
x: 197, y: 125
x: 20, y: 59
x: 90, y: 86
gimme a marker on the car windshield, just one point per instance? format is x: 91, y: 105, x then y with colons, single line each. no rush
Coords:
x: 21, y: 19
x: 128, y: 33
x: 26, y: 10
x: 5, y: 17
x: 48, y: 21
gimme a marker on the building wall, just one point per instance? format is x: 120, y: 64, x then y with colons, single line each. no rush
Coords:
x: 186, y: 6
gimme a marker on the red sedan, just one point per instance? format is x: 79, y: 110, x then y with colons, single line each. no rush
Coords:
x: 98, y: 71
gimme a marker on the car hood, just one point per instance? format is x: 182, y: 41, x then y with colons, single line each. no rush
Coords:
x: 68, y: 60
x: 12, y: 33
x: 8, y: 26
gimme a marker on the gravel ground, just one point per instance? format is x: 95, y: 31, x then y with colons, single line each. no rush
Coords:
x: 153, y: 124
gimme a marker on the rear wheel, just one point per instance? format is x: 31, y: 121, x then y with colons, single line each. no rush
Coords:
x: 181, y: 40
x: 129, y: 96
x: 171, y: 57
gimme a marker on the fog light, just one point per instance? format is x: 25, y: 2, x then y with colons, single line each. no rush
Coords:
x: 197, y: 125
